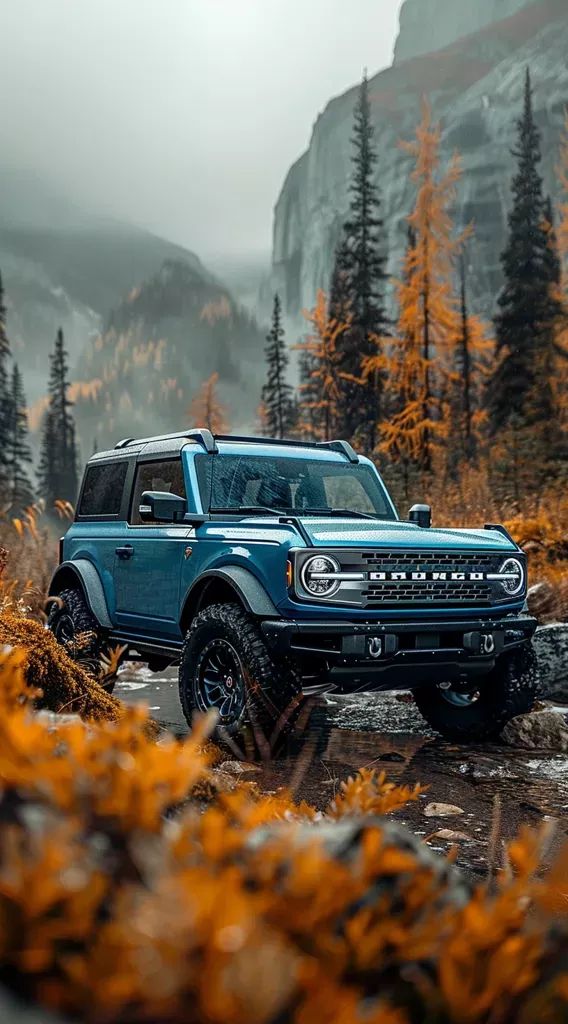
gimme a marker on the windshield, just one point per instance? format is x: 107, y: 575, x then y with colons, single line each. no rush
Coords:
x: 294, y: 486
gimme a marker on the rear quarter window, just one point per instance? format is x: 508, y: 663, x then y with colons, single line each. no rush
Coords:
x: 102, y: 490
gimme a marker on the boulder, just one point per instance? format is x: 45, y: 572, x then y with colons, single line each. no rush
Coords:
x: 541, y: 730
x: 551, y: 645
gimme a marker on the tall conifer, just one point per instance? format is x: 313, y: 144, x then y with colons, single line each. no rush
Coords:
x: 360, y: 270
x: 4, y: 396
x: 57, y: 474
x: 19, y: 451
x: 529, y: 305
x: 277, y: 394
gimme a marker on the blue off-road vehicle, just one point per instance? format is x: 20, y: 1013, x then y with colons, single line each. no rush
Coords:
x: 272, y: 569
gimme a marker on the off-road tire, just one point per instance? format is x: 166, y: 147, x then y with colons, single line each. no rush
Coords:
x: 510, y: 689
x: 70, y: 617
x: 272, y: 698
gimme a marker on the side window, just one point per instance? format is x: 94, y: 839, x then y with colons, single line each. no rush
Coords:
x: 166, y: 475
x: 102, y: 491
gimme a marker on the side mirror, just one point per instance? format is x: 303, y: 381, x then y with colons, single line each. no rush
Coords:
x: 162, y: 507
x: 421, y: 515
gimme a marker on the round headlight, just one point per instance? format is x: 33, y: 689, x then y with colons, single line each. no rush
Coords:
x: 515, y: 570
x: 316, y: 573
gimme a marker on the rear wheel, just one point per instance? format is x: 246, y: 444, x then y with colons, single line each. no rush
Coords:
x: 225, y: 666
x: 74, y: 626
x: 481, y: 710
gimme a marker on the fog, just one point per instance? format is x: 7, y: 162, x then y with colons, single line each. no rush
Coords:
x: 182, y: 116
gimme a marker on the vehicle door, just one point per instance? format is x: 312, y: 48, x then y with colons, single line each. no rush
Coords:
x: 147, y: 567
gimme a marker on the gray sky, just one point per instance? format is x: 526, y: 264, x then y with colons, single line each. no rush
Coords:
x: 179, y: 115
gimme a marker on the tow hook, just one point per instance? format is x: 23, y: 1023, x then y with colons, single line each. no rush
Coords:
x: 487, y: 643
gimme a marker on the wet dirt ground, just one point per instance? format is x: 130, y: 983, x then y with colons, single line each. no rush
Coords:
x: 497, y: 787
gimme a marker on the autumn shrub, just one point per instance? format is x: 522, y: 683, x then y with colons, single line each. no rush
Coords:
x: 29, y: 542
x: 60, y: 683
x: 125, y: 897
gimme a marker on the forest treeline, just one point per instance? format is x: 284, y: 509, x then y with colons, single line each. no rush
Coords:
x: 437, y: 392
x: 433, y: 392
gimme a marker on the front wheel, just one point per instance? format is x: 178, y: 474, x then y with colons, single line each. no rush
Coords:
x: 481, y: 710
x: 226, y: 666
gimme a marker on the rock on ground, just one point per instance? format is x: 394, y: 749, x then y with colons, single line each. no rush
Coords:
x: 551, y: 645
x: 541, y: 730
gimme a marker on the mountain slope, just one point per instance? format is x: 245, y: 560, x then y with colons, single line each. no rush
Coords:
x: 62, y: 267
x: 475, y: 85
x: 159, y: 344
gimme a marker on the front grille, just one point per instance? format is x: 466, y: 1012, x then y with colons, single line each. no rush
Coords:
x: 442, y: 593
x: 447, y: 593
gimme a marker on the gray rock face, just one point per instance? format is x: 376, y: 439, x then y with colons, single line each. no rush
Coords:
x: 475, y: 87
x: 428, y: 25
x: 551, y: 645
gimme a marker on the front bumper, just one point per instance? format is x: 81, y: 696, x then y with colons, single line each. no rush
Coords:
x: 397, y: 655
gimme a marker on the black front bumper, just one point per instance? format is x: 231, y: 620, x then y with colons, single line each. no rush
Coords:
x: 397, y: 655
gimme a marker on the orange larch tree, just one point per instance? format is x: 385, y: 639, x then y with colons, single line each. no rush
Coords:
x: 422, y: 370
x: 207, y: 410
x: 320, y: 391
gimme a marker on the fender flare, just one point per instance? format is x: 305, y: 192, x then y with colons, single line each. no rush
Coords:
x: 83, y: 572
x: 246, y: 586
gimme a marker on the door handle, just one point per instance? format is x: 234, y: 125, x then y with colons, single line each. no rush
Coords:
x: 125, y: 552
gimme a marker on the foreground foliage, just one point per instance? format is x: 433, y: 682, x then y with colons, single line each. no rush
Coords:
x: 243, y: 908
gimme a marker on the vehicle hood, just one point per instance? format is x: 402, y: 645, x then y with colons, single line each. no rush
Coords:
x: 325, y: 532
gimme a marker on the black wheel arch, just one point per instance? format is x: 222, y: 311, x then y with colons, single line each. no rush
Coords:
x: 82, y: 573
x: 232, y: 583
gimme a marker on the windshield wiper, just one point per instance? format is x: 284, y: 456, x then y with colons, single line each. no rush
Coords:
x: 247, y: 510
x: 344, y: 512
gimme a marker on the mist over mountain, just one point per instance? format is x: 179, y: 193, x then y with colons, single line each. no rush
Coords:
x: 475, y: 85
x: 167, y: 336
x: 66, y: 267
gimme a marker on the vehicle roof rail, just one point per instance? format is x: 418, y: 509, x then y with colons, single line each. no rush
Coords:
x: 204, y: 437
x: 125, y: 442
x: 340, y: 446
x: 343, y: 447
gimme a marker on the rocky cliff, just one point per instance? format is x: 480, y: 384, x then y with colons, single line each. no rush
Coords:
x: 475, y: 86
x: 429, y: 25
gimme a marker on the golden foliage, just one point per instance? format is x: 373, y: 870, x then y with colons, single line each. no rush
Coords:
x: 251, y: 909
x: 63, y: 684
x: 31, y: 555
x: 207, y: 410
x: 321, y: 394
x: 423, y: 356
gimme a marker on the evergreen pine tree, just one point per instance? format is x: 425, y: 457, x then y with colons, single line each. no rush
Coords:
x: 529, y: 305
x: 19, y: 451
x: 360, y: 271
x: 277, y: 394
x: 57, y: 475
x: 5, y: 413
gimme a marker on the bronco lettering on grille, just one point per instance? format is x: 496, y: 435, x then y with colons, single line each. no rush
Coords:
x: 377, y: 577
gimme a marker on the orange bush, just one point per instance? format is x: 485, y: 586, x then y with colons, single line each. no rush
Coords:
x: 250, y: 909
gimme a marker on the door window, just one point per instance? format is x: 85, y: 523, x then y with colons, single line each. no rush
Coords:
x: 166, y: 475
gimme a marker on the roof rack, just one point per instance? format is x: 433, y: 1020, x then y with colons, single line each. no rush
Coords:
x: 201, y: 435
x: 208, y: 441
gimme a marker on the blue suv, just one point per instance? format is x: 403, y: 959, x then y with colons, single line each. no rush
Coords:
x: 269, y: 570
